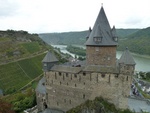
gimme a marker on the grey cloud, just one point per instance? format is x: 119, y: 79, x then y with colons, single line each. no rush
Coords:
x: 8, y: 8
x: 133, y: 20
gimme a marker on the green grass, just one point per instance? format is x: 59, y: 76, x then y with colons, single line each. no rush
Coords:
x: 31, y: 47
x: 4, y: 39
x: 18, y: 74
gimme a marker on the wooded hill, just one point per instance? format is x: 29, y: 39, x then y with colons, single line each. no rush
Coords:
x: 137, y: 40
x: 68, y: 38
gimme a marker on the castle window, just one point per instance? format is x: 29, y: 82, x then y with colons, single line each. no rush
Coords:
x: 60, y: 82
x: 63, y: 77
x: 57, y: 104
x: 84, y: 74
x: 67, y: 83
x: 97, y: 39
x: 75, y: 75
x: 79, y: 78
x: 83, y: 96
x: 84, y: 83
x: 71, y: 76
x: 115, y: 38
x: 127, y: 78
x: 103, y: 75
x: 97, y: 78
x: 116, y: 75
x: 64, y: 100
x: 70, y: 101
x: 96, y: 49
x: 90, y: 78
x: 59, y: 73
x: 75, y: 85
x: 45, y: 64
x: 109, y: 79
x: 66, y: 74
x: 108, y: 58
x: 55, y: 76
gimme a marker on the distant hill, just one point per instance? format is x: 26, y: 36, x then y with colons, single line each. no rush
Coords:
x: 138, y: 42
x: 18, y: 44
x: 78, y: 38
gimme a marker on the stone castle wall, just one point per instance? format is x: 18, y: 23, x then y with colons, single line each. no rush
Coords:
x: 101, y: 55
x: 66, y: 90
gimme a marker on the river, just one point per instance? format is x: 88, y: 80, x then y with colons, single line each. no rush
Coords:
x: 142, y: 62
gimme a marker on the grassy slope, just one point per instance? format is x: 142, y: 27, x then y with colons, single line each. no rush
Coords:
x: 17, y: 74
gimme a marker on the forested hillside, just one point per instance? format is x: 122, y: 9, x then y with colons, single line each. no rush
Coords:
x: 78, y: 38
x: 139, y: 42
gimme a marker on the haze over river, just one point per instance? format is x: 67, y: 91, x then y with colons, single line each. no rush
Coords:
x: 142, y: 62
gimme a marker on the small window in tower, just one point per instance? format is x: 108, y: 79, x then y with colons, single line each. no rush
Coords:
x: 66, y: 74
x: 127, y: 78
x: 96, y: 49
x: 55, y: 76
x: 59, y: 73
x: 75, y: 75
x: 75, y: 85
x: 64, y: 100
x: 70, y: 101
x: 108, y: 58
x: 84, y: 73
x: 63, y: 77
x: 83, y: 96
x: 115, y: 39
x: 45, y: 64
x: 97, y: 39
x: 71, y: 76
x: 103, y: 75
x: 57, y: 104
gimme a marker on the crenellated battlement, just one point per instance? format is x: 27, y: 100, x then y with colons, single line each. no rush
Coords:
x: 76, y: 88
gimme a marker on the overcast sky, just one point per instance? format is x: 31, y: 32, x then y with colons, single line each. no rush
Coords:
x: 40, y: 16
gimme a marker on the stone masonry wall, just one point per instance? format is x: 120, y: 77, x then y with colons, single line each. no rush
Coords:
x: 66, y: 90
x: 101, y: 55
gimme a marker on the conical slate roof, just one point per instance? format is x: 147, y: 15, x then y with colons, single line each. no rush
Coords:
x: 49, y: 58
x: 101, y: 29
x: 127, y: 58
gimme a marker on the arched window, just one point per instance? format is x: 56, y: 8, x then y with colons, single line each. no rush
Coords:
x: 83, y: 96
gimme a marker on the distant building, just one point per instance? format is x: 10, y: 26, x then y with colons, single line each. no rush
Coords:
x: 66, y: 86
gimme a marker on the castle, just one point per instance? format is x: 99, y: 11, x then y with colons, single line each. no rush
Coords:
x: 65, y: 86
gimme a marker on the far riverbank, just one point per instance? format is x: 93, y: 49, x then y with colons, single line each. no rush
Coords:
x: 142, y: 61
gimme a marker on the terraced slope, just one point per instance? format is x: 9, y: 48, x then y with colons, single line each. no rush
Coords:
x: 15, y: 75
